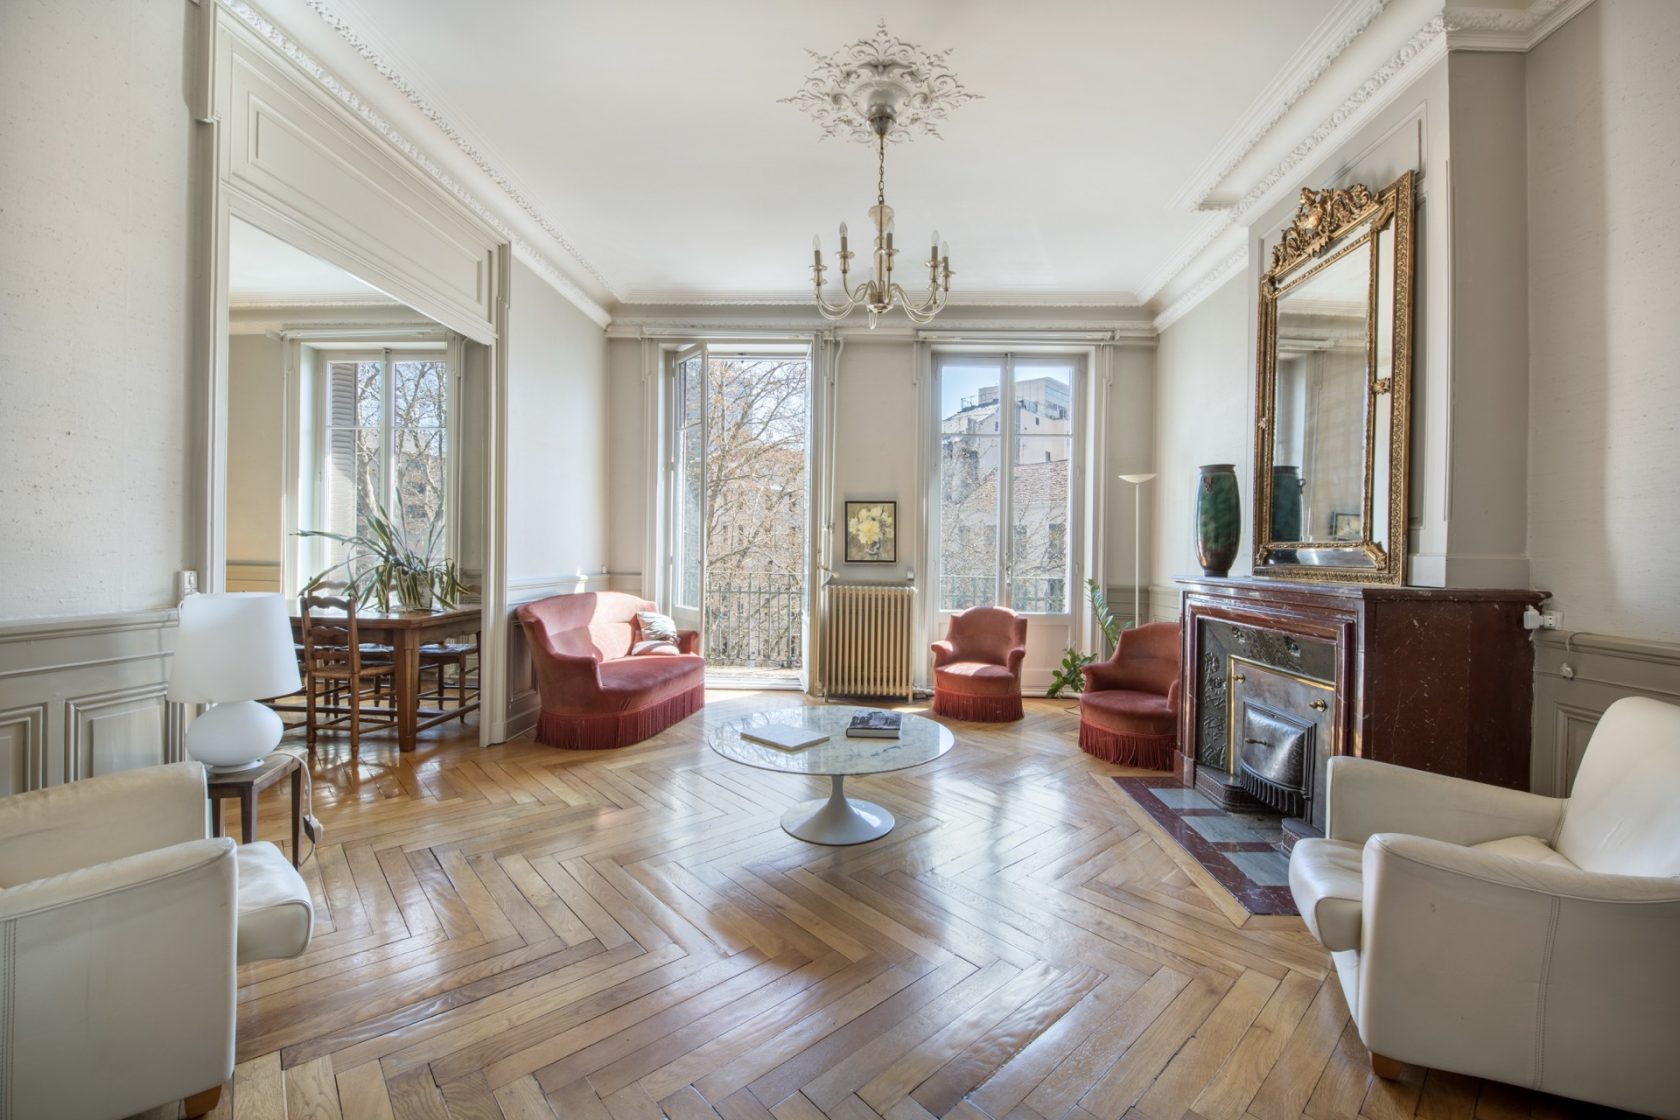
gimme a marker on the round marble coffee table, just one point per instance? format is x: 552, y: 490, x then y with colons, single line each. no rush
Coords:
x: 837, y: 819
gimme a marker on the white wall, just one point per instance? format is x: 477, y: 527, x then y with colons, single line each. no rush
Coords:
x: 1129, y: 449
x: 95, y: 271
x: 1202, y: 401
x: 256, y: 489
x: 628, y: 485
x: 556, y: 436
x: 1604, y: 331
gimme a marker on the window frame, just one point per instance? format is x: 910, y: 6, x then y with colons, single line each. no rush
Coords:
x: 1010, y: 360
x: 319, y: 552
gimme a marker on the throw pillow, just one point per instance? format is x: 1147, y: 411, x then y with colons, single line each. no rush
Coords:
x: 656, y: 627
x: 654, y: 649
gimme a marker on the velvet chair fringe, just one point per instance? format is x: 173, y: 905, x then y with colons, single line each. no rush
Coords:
x: 977, y: 709
x: 617, y: 729
x: 1151, y: 752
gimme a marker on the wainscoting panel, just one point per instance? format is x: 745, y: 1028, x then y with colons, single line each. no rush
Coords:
x: 86, y: 696
x: 1576, y: 677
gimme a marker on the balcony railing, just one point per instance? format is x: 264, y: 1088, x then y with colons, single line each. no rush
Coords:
x: 755, y: 622
x: 1028, y: 594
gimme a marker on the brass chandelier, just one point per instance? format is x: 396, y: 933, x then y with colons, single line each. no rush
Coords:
x: 877, y: 90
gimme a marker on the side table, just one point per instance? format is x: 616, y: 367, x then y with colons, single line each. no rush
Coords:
x: 246, y: 784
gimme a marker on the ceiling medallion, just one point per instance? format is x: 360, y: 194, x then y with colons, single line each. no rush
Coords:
x: 876, y: 90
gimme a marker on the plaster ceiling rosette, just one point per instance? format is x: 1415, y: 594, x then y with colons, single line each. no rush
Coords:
x: 880, y: 76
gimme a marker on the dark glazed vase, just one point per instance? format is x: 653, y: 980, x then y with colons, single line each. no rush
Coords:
x: 1218, y: 518
x: 1286, y: 503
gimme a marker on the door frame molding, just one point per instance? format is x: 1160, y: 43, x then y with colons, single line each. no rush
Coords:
x: 277, y: 192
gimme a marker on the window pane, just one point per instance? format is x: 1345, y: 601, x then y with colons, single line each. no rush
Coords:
x: 970, y: 444
x: 417, y: 470
x: 1044, y: 450
x: 1040, y: 494
x: 417, y: 394
x: 370, y: 393
x: 692, y: 453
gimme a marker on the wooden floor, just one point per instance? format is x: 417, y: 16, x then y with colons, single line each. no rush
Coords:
x: 527, y: 932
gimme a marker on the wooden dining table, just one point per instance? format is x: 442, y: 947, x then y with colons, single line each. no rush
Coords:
x: 405, y: 632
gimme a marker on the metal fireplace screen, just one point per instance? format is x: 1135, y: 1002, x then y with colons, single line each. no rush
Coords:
x: 1275, y: 755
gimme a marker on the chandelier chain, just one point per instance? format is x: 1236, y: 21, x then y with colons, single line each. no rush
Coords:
x: 881, y: 178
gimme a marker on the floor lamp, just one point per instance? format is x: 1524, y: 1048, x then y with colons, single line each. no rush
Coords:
x: 1137, y: 481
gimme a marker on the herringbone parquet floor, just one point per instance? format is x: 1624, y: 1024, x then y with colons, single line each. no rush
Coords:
x: 529, y: 933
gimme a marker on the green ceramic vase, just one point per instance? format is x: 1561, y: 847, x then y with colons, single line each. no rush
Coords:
x: 1218, y: 518
x: 1286, y: 503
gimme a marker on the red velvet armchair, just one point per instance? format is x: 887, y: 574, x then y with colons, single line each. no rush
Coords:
x: 1128, y: 713
x: 595, y: 693
x: 977, y: 668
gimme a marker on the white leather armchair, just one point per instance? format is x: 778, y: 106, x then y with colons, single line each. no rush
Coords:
x: 1527, y: 939
x: 121, y: 926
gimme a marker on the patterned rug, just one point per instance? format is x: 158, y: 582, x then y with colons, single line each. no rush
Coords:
x: 1240, y: 850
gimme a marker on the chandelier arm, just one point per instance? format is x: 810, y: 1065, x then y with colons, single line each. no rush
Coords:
x: 928, y: 307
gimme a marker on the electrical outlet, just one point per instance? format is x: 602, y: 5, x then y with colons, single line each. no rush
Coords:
x: 1551, y: 620
x: 186, y: 583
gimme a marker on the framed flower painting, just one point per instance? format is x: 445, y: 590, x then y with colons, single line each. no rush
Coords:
x: 871, y: 532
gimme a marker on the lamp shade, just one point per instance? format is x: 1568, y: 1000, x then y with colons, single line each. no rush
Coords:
x: 233, y: 646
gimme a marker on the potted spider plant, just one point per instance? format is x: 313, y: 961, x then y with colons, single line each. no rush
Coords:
x: 380, y: 564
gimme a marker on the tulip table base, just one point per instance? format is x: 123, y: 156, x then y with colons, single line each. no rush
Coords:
x: 836, y: 820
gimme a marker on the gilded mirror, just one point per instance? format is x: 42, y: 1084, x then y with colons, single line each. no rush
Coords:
x: 1334, y: 393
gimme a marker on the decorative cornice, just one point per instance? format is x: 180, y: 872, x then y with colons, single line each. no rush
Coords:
x: 1334, y: 35
x: 294, y: 53
x: 1505, y: 29
x: 1213, y: 227
x: 455, y: 135
x: 1114, y: 300
x: 1201, y: 289
x: 1378, y: 85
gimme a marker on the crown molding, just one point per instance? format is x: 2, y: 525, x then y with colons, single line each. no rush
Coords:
x: 1504, y: 29
x: 470, y: 146
x: 1212, y: 228
x: 1334, y: 34
x: 665, y: 321
x: 677, y: 298
x: 1426, y: 45
x: 289, y: 48
x: 1211, y: 281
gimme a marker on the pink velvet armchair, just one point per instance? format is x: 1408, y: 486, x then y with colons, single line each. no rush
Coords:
x: 597, y: 694
x: 977, y: 668
x: 1128, y: 713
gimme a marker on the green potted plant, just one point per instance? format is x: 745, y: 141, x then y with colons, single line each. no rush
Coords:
x: 380, y: 564
x: 1070, y: 675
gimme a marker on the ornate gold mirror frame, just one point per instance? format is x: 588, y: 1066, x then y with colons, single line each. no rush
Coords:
x: 1367, y: 545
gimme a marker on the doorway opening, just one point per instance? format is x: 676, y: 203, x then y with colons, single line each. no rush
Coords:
x: 739, y: 514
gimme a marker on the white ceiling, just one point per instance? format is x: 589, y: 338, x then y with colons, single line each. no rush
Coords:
x: 266, y: 270
x: 649, y: 132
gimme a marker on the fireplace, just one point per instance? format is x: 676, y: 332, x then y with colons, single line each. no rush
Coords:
x: 1280, y: 676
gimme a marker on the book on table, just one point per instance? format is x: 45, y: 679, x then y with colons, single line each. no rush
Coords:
x: 785, y: 736
x: 874, y: 725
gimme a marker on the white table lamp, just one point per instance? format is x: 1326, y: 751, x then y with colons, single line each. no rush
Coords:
x: 232, y: 650
x: 1137, y: 481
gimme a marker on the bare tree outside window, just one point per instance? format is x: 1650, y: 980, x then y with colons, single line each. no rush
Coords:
x: 407, y: 475
x: 754, y: 512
